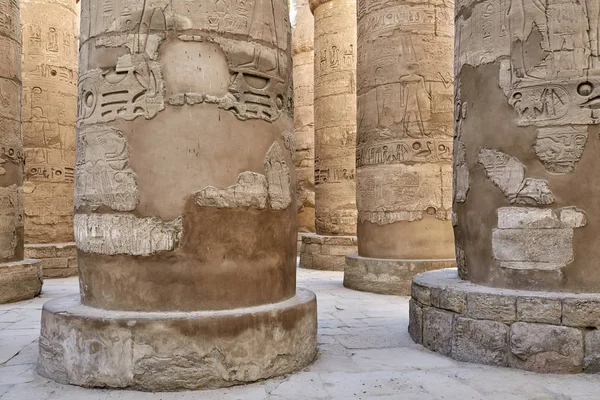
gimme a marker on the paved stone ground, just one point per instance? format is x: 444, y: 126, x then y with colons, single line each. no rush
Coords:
x: 365, y: 353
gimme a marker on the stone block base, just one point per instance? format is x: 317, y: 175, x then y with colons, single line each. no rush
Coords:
x: 387, y: 276
x: 58, y: 260
x: 326, y: 253
x: 20, y: 280
x: 545, y: 332
x: 168, y: 351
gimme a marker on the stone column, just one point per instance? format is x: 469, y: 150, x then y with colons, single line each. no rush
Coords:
x: 404, y: 144
x: 525, y: 194
x: 303, y: 57
x: 335, y: 136
x: 49, y: 107
x: 185, y: 213
x: 20, y: 278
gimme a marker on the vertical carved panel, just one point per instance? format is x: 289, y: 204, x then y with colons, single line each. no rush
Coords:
x: 335, y: 117
x: 11, y: 149
x: 48, y: 111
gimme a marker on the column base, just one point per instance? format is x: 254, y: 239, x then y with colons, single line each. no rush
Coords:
x: 326, y: 253
x: 546, y: 332
x: 58, y: 260
x: 168, y: 351
x: 387, y: 276
x: 20, y: 280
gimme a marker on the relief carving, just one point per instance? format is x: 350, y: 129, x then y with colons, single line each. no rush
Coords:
x: 11, y: 219
x: 252, y: 189
x: 278, y: 178
x: 112, y: 234
x: 561, y: 148
x: 103, y: 176
x: 508, y: 174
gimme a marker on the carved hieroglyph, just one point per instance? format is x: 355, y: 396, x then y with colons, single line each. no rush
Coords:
x: 405, y: 108
x: 11, y: 150
x: 335, y: 116
x: 125, y: 234
x: 252, y: 189
x: 543, y: 57
x: 303, y: 59
x: 50, y: 47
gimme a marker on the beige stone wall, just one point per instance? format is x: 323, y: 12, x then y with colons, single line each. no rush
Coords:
x: 303, y: 58
x: 525, y: 198
x: 11, y: 146
x: 405, y: 115
x: 335, y: 116
x: 185, y: 183
x: 50, y: 30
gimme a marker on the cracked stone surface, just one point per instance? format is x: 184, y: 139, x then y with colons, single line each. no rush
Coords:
x: 364, y: 353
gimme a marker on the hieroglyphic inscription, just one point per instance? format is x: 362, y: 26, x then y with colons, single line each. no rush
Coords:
x: 335, y: 117
x: 560, y: 148
x: 125, y: 234
x: 278, y: 178
x: 103, y: 177
x: 508, y: 174
x: 405, y: 109
x: 11, y: 219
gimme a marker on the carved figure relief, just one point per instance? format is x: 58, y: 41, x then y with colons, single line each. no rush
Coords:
x: 11, y: 219
x: 103, y: 177
x: 278, y: 178
x: 561, y: 148
x: 113, y: 234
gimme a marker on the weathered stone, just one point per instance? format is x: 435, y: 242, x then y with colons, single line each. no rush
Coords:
x: 438, y: 330
x: 19, y: 279
x: 581, y: 312
x: 539, y: 309
x: 415, y: 321
x: 540, y: 246
x: 546, y: 348
x: 448, y: 299
x: 326, y: 252
x: 527, y: 218
x: 422, y: 294
x: 303, y: 58
x: 492, y: 306
x: 177, y: 102
x: 591, y: 362
x: 404, y: 148
x: 50, y: 47
x: 96, y: 348
x: 386, y: 276
x: 482, y: 342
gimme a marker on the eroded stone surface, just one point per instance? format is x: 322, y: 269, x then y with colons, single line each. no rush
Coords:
x: 532, y: 71
x: 550, y: 332
x: 303, y: 59
x: 335, y: 116
x: 50, y: 46
x: 326, y: 252
x: 250, y: 191
x: 91, y: 347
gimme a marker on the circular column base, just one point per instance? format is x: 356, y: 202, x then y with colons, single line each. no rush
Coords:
x: 547, y: 332
x: 20, y: 280
x: 387, y: 276
x: 168, y: 351
x: 58, y: 260
x: 326, y: 253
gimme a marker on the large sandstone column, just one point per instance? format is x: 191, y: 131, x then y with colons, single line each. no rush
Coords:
x: 335, y: 136
x: 303, y: 58
x: 185, y: 213
x: 404, y: 144
x: 48, y: 109
x: 20, y: 278
x: 525, y: 192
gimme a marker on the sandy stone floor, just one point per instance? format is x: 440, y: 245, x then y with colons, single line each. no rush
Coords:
x: 365, y: 353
